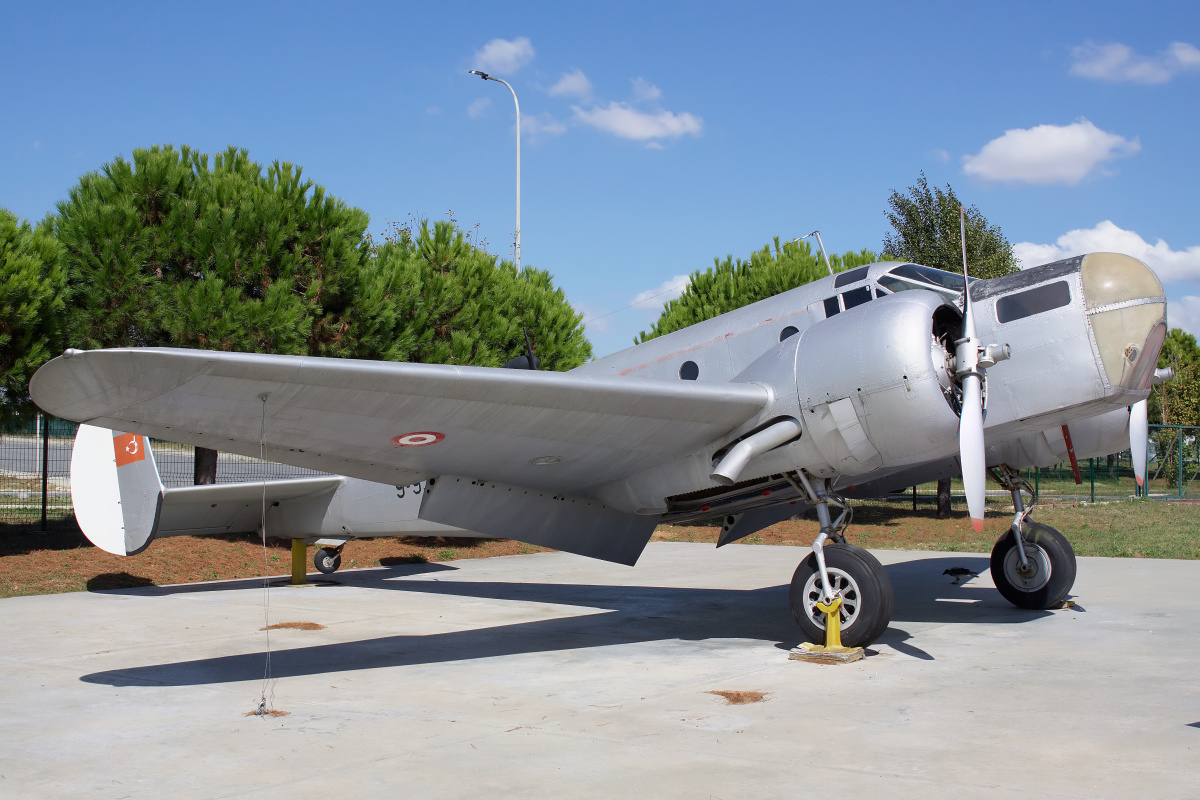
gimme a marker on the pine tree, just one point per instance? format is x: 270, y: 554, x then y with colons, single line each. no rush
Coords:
x: 731, y: 284
x: 169, y: 249
x: 31, y: 305
x: 926, y: 231
x: 434, y: 297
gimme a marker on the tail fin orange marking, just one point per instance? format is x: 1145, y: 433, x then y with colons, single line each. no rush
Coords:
x: 129, y: 448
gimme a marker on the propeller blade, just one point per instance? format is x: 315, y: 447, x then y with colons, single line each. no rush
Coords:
x: 1139, y: 433
x: 971, y: 450
x: 970, y: 425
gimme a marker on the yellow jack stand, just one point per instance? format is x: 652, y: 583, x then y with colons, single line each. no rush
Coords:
x: 832, y: 652
x: 299, y: 563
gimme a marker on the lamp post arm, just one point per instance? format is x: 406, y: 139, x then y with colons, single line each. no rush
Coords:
x: 517, y: 106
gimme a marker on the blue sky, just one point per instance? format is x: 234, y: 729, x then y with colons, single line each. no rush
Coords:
x: 655, y: 136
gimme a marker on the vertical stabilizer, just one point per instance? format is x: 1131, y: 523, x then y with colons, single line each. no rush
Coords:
x: 115, y: 489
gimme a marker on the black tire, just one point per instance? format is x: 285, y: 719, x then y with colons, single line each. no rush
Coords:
x: 867, y: 600
x: 1053, y: 568
x: 327, y: 560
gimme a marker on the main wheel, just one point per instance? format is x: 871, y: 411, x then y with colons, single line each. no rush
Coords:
x: 1051, y: 572
x: 327, y: 560
x: 866, y: 591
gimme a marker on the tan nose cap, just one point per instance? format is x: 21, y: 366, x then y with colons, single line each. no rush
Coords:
x: 1127, y: 310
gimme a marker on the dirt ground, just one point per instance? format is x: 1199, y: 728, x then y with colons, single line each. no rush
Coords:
x: 64, y: 561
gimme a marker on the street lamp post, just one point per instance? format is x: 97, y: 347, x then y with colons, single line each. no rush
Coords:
x: 486, y: 77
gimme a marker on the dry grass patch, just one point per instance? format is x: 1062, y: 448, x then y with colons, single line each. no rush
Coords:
x: 738, y: 698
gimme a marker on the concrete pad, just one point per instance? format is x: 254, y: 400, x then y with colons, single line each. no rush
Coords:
x: 551, y: 675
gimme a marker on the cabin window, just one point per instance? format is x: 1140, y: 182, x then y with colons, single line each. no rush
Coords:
x: 788, y: 332
x: 831, y: 306
x: 880, y: 292
x: 856, y: 297
x: 850, y: 276
x: 1033, y: 301
x: 688, y: 371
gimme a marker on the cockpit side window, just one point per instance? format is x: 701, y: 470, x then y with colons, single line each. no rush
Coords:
x: 831, y: 306
x: 915, y: 276
x: 1033, y: 301
x: 934, y: 277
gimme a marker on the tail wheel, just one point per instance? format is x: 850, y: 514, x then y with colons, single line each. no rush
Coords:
x: 327, y: 560
x: 866, y: 590
x: 1051, y: 572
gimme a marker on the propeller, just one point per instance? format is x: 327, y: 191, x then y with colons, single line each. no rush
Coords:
x: 1139, y: 433
x: 970, y: 425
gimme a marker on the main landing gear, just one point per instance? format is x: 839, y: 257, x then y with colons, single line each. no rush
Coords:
x: 837, y: 570
x: 1033, y: 565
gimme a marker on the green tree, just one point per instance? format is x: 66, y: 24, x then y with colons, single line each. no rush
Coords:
x: 31, y: 306
x: 1177, y: 402
x: 175, y: 248
x: 731, y: 284
x: 434, y: 297
x: 925, y: 225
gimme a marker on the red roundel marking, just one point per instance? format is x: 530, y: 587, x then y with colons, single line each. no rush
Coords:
x: 417, y: 439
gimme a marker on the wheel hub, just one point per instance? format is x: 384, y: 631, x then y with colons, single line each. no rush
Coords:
x: 1035, y: 576
x: 842, y: 584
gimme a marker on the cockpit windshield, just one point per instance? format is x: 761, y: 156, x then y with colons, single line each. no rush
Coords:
x: 915, y: 276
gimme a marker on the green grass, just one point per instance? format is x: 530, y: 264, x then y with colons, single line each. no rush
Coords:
x: 1140, y: 529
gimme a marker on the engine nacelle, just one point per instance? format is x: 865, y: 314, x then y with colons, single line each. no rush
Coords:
x: 874, y: 385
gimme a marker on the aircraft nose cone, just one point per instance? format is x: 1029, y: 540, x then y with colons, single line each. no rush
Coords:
x: 1127, y: 310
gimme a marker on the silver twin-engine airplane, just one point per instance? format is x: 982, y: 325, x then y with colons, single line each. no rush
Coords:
x: 870, y: 380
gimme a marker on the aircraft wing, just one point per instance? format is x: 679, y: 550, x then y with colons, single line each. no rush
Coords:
x: 398, y: 423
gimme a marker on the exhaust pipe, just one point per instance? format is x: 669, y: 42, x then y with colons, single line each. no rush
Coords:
x: 730, y: 467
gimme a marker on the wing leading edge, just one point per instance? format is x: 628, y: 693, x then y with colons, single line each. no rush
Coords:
x: 398, y: 423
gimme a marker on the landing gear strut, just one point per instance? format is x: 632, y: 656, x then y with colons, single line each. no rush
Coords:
x: 840, y: 570
x: 1033, y: 565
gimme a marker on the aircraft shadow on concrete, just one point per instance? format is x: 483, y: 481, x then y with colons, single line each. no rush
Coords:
x: 624, y: 615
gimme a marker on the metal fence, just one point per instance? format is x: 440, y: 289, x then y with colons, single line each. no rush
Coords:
x: 1172, y: 472
x: 35, y: 472
x: 35, y: 466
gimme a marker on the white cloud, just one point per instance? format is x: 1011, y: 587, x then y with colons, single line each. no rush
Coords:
x: 1184, y: 313
x: 1119, y: 64
x: 536, y: 126
x: 1048, y: 154
x: 572, y: 84
x: 654, y: 299
x: 479, y: 107
x: 942, y: 156
x: 1171, y: 266
x: 629, y: 123
x: 504, y: 56
x: 644, y: 90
